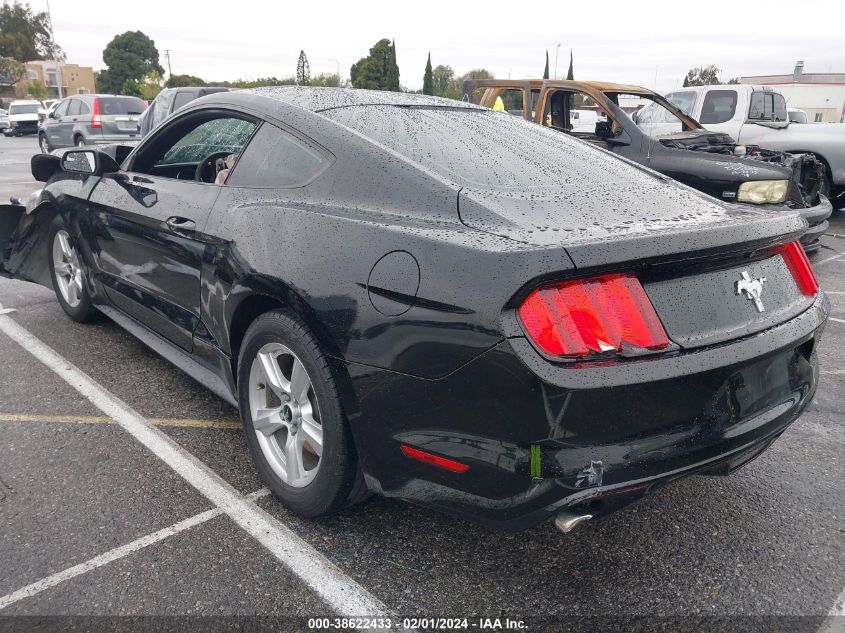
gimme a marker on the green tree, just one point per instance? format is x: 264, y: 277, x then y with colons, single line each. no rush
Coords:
x: 24, y: 35
x: 445, y: 82
x: 546, y: 70
x: 130, y: 57
x: 378, y: 70
x: 428, y: 78
x: 36, y: 90
x: 327, y: 80
x: 706, y: 76
x: 303, y: 70
x: 477, y: 73
x: 151, y: 85
x: 11, y: 70
x: 183, y: 81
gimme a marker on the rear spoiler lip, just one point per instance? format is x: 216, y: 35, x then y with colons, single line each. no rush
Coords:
x: 720, y: 238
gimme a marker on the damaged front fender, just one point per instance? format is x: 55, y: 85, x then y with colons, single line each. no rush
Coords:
x: 23, y: 234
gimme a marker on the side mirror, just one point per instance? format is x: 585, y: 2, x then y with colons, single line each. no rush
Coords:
x: 88, y: 161
x: 51, y: 114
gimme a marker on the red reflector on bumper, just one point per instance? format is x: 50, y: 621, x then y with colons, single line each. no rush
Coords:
x: 433, y: 460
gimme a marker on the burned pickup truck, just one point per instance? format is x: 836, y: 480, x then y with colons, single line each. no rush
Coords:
x: 665, y: 139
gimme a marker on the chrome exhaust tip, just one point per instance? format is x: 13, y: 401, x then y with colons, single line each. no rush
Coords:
x: 566, y: 521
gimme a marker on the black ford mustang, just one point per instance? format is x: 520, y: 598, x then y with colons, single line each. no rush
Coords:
x: 431, y: 300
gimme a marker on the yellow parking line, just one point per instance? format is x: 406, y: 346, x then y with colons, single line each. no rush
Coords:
x: 101, y: 419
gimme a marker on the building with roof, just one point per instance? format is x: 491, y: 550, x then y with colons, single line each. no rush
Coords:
x: 820, y: 95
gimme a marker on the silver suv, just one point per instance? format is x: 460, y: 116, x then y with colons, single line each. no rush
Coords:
x: 91, y: 120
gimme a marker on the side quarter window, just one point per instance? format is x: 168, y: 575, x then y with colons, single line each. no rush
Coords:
x: 718, y: 106
x: 275, y: 158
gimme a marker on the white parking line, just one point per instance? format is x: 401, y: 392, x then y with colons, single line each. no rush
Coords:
x: 835, y: 320
x: 835, y: 621
x: 829, y: 259
x: 340, y: 592
x: 115, y: 554
x: 834, y: 372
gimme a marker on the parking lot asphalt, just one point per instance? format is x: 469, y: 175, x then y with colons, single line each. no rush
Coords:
x: 767, y: 541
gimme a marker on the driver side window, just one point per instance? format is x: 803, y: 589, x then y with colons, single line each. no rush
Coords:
x: 196, y: 147
x: 218, y: 135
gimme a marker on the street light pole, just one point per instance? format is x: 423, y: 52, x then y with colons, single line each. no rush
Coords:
x: 557, y: 50
x: 58, y: 64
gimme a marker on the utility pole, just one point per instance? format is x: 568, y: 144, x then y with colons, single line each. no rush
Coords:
x: 58, y: 64
x: 167, y: 55
x: 557, y: 50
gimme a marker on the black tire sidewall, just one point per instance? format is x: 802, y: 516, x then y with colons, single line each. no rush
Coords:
x: 85, y: 311
x: 330, y: 488
x: 45, y: 145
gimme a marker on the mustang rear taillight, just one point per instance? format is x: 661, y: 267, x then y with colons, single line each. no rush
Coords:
x: 798, y: 264
x: 96, y: 121
x: 599, y: 315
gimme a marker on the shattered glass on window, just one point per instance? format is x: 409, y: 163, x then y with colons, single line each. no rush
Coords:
x: 218, y: 135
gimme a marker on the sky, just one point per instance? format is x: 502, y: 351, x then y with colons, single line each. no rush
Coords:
x: 651, y: 44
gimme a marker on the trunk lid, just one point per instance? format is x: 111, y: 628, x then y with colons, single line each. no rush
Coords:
x: 693, y: 255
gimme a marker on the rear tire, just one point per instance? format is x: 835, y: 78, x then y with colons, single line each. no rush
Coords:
x: 69, y: 275
x: 79, y: 141
x: 292, y: 417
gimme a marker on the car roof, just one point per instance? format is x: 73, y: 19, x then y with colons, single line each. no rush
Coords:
x: 319, y: 99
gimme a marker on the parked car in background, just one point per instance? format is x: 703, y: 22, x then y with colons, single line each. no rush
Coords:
x: 796, y: 116
x: 168, y: 101
x: 4, y: 119
x: 46, y: 106
x: 756, y: 115
x: 91, y: 120
x: 23, y: 117
x: 430, y: 300
x: 665, y: 139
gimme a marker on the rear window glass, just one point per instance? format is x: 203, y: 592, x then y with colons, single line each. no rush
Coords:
x: 182, y: 98
x: 120, y: 105
x: 477, y: 148
x: 24, y: 109
x: 769, y: 106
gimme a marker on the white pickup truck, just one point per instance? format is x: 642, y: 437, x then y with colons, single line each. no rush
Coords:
x: 757, y: 115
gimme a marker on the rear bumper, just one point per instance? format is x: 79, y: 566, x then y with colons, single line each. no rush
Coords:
x: 112, y: 139
x: 601, y: 437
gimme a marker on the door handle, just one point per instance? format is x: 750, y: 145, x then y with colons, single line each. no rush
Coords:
x: 181, y: 225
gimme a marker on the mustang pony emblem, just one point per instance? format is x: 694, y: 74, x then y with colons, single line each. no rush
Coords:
x: 752, y: 288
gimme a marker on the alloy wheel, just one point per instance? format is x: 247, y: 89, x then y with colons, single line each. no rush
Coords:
x: 285, y: 414
x: 45, y: 147
x: 66, y: 269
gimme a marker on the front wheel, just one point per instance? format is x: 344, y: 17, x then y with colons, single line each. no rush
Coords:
x: 69, y: 274
x: 292, y: 417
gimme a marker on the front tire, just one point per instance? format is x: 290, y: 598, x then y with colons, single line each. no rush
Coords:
x: 292, y: 416
x: 69, y: 274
